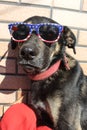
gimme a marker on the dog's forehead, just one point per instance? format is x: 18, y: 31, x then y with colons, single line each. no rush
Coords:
x: 38, y: 19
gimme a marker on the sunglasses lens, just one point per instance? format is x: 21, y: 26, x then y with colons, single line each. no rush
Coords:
x: 20, y: 32
x: 49, y: 32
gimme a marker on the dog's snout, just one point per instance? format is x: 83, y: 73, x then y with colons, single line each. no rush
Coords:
x: 28, y: 53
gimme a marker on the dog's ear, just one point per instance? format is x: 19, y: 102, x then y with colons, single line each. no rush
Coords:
x: 68, y: 38
x: 13, y: 44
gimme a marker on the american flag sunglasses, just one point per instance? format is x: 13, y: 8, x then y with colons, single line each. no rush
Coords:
x: 47, y: 32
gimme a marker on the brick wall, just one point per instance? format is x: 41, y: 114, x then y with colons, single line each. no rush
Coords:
x: 14, y: 84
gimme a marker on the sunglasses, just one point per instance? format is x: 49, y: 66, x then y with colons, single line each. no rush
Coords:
x: 47, y: 32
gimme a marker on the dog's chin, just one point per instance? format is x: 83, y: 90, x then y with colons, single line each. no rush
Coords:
x: 32, y: 69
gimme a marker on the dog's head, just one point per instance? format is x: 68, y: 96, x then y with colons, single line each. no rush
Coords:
x: 36, y: 54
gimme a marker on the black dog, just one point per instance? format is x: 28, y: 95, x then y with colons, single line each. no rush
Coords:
x: 59, y: 87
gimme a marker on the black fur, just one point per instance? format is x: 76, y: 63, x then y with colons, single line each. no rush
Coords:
x: 59, y: 101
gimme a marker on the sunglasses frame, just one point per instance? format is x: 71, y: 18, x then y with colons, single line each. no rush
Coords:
x: 35, y: 27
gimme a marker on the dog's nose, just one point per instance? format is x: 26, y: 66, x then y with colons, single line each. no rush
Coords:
x: 28, y: 53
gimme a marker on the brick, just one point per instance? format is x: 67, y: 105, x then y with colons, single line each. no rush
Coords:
x: 6, y: 108
x: 40, y: 2
x: 14, y: 82
x: 6, y: 47
x: 75, y: 32
x: 84, y: 67
x: 81, y: 53
x: 3, y: 48
x: 4, y: 31
x: 20, y: 13
x: 7, y: 96
x: 7, y: 66
x: 19, y: 93
x: 12, y: 0
x: 70, y: 18
x: 20, y: 70
x: 70, y: 4
x: 85, y: 5
x: 1, y: 110
x: 20, y: 100
x: 82, y: 38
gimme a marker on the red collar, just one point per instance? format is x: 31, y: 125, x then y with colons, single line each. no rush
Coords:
x: 46, y: 73
x: 50, y: 71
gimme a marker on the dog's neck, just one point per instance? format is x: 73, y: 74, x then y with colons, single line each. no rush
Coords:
x: 50, y: 71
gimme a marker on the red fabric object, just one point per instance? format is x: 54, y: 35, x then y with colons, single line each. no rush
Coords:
x: 20, y: 117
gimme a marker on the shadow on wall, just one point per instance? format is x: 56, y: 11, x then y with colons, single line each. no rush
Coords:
x: 12, y: 77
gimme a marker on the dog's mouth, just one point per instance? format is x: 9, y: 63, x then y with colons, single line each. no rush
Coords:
x: 31, y: 68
